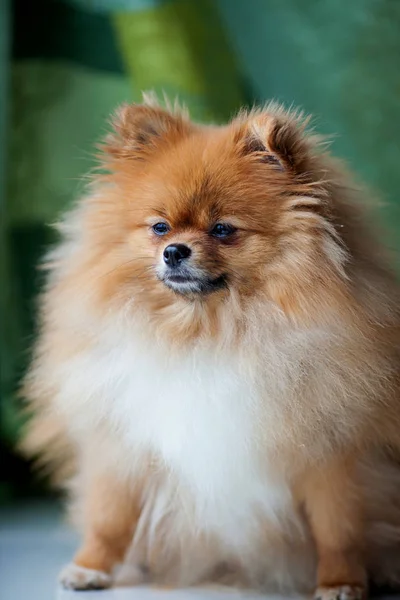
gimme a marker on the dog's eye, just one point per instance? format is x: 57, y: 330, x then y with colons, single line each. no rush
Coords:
x: 160, y: 228
x: 222, y: 230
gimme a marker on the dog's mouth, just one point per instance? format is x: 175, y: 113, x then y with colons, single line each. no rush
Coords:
x: 189, y: 284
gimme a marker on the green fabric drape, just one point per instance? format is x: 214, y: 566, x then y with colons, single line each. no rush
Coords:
x: 66, y: 64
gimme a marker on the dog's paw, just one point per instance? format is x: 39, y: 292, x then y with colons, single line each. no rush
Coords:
x: 74, y: 577
x: 340, y: 592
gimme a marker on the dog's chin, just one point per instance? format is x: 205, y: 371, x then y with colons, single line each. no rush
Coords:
x: 194, y: 286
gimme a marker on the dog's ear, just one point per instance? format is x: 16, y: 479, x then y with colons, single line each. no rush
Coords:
x: 277, y: 138
x: 139, y: 129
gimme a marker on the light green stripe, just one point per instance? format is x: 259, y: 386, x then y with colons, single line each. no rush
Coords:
x: 180, y: 48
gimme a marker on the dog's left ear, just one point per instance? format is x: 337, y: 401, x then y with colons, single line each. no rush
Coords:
x: 277, y: 137
x: 138, y: 130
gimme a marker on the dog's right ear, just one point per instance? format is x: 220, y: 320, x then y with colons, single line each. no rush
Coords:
x: 140, y: 129
x: 277, y: 137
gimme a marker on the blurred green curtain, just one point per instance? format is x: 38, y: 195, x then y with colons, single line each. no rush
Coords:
x: 66, y: 64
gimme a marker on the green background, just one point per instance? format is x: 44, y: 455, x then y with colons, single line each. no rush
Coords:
x: 64, y: 66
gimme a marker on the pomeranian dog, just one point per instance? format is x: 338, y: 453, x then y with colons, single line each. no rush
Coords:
x: 217, y: 375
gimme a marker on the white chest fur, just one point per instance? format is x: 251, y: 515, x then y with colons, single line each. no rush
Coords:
x: 200, y: 414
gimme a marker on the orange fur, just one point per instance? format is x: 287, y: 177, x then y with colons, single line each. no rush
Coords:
x: 310, y: 308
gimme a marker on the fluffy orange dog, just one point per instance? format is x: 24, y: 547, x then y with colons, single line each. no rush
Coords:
x: 218, y: 363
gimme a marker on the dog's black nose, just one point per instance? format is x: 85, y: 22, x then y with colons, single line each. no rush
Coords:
x: 174, y: 254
